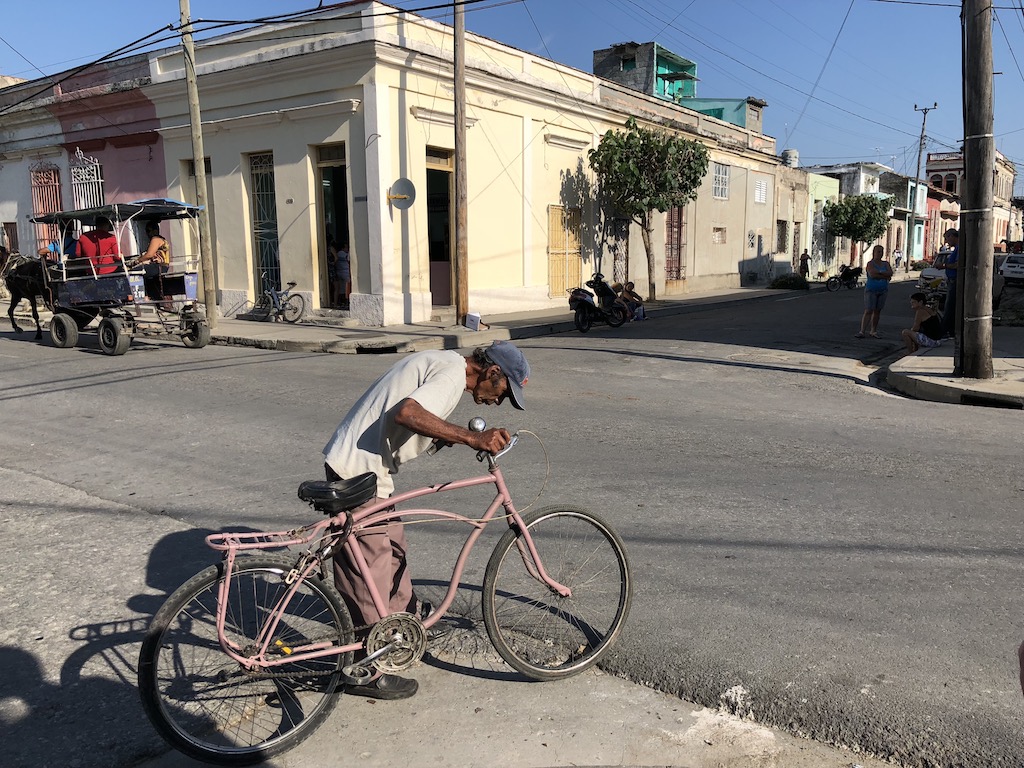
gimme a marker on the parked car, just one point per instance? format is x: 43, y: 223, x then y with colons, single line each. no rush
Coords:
x: 934, y: 277
x: 1012, y: 269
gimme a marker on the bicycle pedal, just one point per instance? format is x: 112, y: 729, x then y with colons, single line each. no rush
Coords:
x: 356, y: 674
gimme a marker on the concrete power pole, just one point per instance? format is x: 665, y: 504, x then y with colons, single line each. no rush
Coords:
x: 974, y: 294
x: 199, y: 161
x: 461, y: 194
x: 912, y: 219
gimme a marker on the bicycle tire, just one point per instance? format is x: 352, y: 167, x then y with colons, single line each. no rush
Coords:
x: 202, y: 702
x: 262, y: 308
x: 833, y: 284
x: 536, y: 631
x: 294, y: 308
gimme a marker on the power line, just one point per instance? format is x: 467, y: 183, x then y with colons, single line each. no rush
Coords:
x: 824, y: 66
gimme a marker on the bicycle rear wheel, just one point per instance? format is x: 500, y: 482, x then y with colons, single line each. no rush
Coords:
x: 204, y: 703
x: 538, y: 632
x: 294, y: 308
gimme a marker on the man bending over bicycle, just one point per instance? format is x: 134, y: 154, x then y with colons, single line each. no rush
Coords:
x: 398, y: 418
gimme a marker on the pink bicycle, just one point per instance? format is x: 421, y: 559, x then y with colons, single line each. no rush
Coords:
x: 247, y: 658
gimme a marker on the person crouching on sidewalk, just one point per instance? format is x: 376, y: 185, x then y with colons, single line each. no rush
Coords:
x: 927, y: 328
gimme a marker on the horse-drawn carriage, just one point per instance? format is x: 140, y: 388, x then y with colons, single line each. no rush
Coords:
x: 129, y: 300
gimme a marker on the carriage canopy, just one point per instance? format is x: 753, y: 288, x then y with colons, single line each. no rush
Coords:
x: 156, y: 208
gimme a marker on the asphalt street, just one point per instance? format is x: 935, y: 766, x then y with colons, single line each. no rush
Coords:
x: 844, y: 558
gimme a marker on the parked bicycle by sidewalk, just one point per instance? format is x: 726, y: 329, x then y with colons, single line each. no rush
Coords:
x: 274, y: 303
x: 244, y: 660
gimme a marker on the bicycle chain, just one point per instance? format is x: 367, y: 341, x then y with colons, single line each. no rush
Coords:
x: 259, y: 673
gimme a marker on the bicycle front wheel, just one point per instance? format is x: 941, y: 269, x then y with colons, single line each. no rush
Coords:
x: 204, y: 703
x: 537, y: 631
x: 262, y: 308
x: 294, y: 308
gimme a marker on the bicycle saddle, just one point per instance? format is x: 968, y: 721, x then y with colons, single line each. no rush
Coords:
x: 334, y: 496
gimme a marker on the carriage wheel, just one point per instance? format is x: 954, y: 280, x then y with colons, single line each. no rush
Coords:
x: 113, y: 339
x: 197, y: 336
x: 63, y: 331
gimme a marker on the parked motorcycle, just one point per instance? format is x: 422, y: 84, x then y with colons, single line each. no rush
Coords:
x: 848, y: 276
x: 607, y: 308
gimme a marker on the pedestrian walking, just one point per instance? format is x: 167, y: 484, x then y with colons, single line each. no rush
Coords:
x: 805, y: 264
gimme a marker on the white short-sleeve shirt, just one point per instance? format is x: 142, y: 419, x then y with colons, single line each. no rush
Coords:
x: 369, y: 440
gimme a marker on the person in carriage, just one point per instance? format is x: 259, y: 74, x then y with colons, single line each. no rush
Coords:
x: 100, y: 246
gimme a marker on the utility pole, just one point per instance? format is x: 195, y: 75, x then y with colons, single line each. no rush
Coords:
x: 461, y: 195
x: 974, y: 274
x: 912, y: 219
x: 199, y: 161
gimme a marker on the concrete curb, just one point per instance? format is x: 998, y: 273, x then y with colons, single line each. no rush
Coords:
x: 928, y: 375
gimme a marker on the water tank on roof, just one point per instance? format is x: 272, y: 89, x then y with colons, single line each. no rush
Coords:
x: 791, y: 157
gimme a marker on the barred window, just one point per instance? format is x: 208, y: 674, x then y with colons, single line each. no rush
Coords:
x: 721, y: 182
x: 718, y: 235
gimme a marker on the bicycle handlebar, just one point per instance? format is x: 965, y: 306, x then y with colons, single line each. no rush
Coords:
x: 481, y: 455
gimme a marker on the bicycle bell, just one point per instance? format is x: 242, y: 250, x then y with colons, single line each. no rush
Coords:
x: 477, y: 424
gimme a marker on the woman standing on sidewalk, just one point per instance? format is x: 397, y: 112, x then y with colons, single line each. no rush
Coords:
x: 876, y: 289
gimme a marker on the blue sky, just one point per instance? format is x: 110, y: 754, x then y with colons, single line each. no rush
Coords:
x: 841, y: 78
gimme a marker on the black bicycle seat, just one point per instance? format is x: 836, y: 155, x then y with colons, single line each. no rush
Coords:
x: 334, y: 496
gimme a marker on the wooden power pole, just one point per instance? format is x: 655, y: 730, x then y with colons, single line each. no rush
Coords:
x: 199, y: 161
x: 914, y: 201
x: 461, y: 194
x: 974, y: 278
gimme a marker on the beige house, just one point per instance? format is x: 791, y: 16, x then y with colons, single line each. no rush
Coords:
x: 945, y: 171
x: 312, y: 128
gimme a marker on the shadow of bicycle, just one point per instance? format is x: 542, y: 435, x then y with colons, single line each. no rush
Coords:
x: 458, y: 642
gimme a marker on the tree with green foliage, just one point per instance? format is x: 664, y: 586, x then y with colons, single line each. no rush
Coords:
x: 862, y: 218
x: 641, y: 170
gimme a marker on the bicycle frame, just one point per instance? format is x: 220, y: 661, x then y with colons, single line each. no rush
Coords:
x: 352, y: 523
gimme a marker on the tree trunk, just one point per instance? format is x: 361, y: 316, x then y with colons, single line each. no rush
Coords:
x: 645, y: 232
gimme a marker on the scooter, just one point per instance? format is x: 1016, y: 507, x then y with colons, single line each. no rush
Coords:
x: 607, y: 308
x: 848, y: 276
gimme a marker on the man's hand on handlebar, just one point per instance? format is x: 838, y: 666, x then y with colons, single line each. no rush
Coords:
x: 490, y: 440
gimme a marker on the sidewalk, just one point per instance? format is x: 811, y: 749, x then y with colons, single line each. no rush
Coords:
x: 325, y: 335
x: 928, y: 374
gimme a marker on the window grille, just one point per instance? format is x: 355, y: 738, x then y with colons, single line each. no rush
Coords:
x: 782, y: 234
x: 718, y: 235
x: 264, y: 221
x: 675, y: 243
x: 721, y: 182
x: 86, y: 181
x: 45, y: 199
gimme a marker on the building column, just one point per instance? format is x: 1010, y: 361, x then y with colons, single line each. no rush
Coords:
x: 383, y: 303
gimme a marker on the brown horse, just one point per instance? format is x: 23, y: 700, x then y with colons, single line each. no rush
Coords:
x: 23, y: 276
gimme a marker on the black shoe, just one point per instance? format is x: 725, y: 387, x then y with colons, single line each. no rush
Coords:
x: 387, y: 687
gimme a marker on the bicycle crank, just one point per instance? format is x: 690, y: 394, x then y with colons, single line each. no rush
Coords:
x: 396, y: 642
